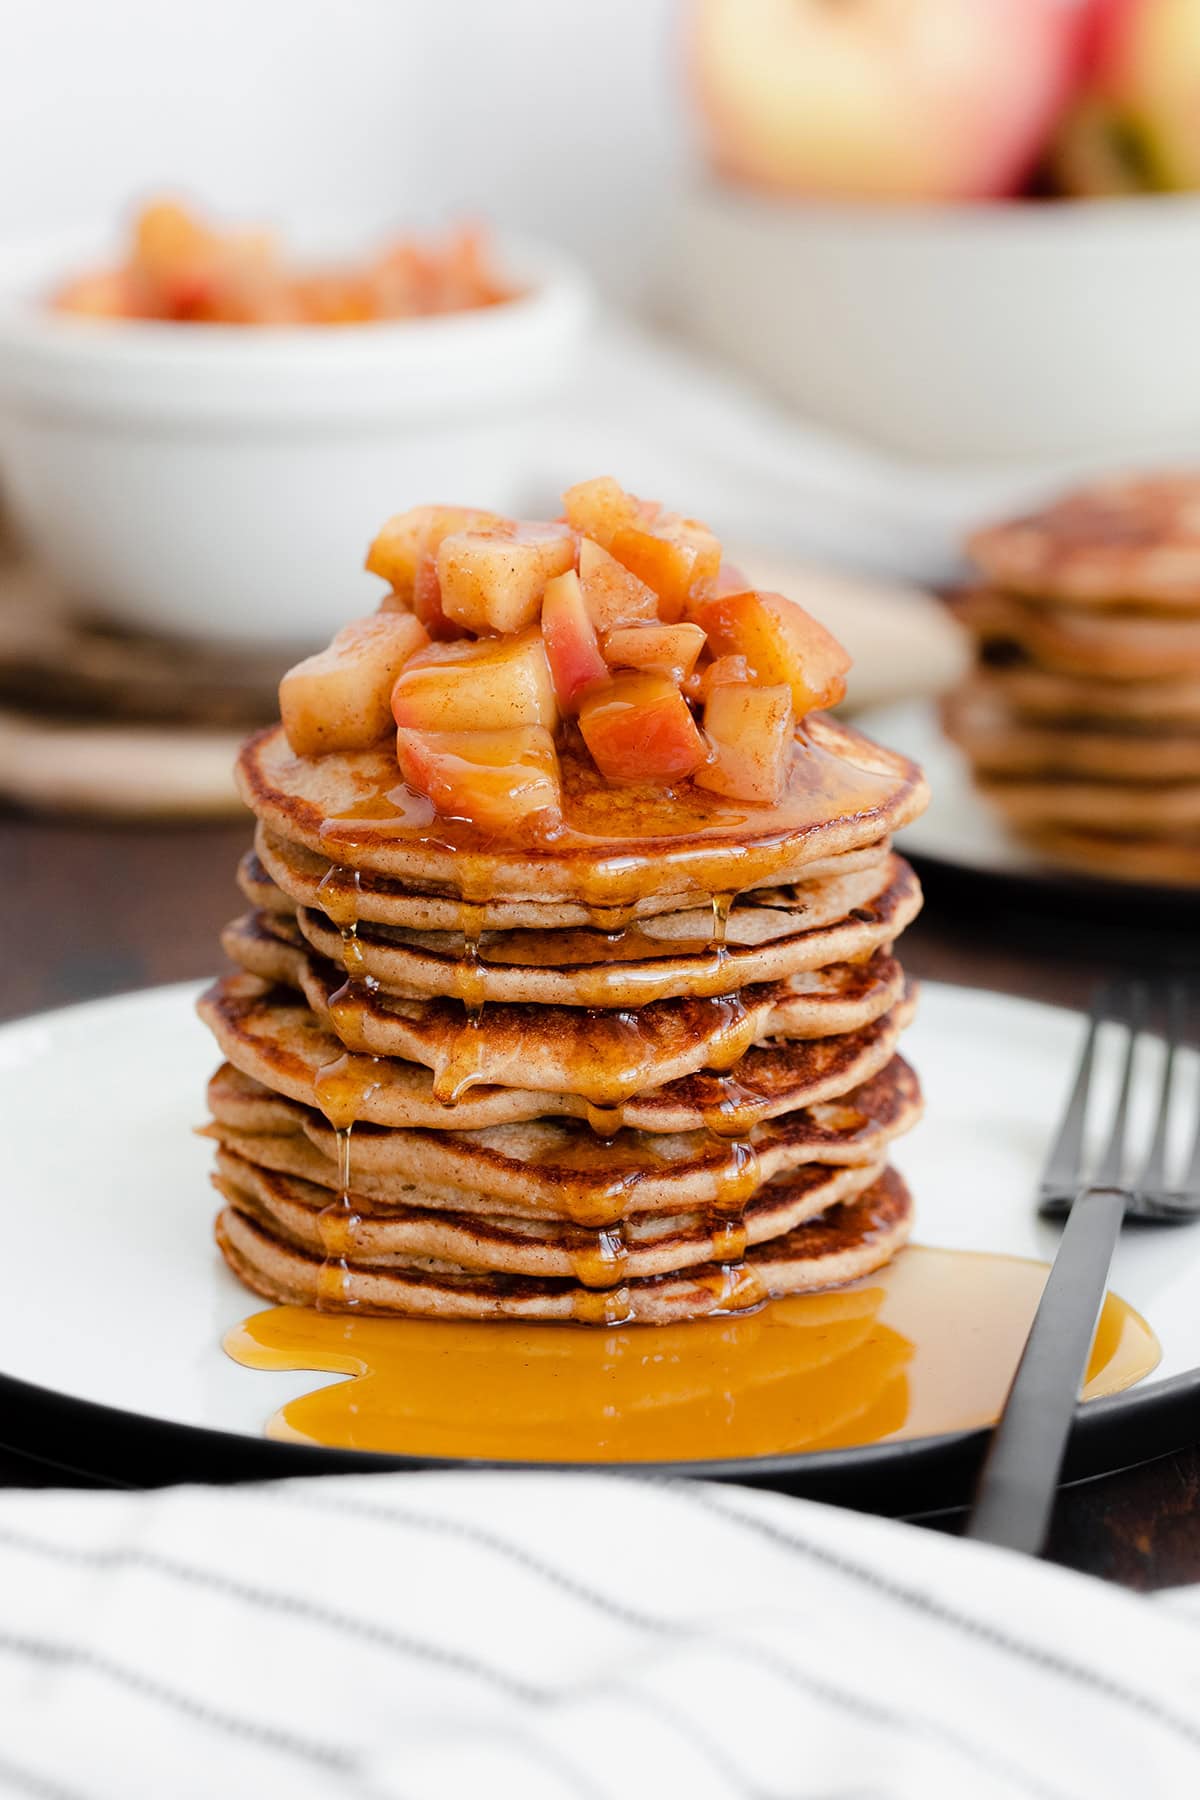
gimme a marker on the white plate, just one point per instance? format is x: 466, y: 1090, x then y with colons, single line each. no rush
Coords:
x: 111, y: 1290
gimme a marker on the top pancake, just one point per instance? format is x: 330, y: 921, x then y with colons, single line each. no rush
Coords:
x: 616, y: 844
x: 1108, y: 544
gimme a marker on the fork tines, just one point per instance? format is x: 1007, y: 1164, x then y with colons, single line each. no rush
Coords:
x: 1129, y: 1006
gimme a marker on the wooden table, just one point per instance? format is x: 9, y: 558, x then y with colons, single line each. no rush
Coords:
x: 87, y: 910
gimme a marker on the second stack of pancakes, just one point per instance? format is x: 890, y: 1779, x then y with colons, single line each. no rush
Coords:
x: 650, y: 1101
x: 1081, y: 719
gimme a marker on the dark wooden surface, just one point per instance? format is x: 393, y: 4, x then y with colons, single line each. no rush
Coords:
x: 87, y: 910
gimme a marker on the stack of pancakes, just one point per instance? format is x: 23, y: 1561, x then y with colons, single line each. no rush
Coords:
x: 1081, y: 718
x: 646, y: 1074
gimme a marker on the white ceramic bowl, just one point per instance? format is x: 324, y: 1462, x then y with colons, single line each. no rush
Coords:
x: 1006, y: 332
x: 224, y: 482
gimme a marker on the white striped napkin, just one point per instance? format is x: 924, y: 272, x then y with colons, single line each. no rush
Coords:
x: 431, y: 1637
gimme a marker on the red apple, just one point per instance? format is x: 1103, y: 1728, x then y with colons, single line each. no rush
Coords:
x: 678, y: 558
x: 780, y: 642
x: 1134, y: 123
x: 640, y: 728
x: 882, y: 99
x: 499, y: 780
x: 489, y: 684
x: 751, y: 731
x: 572, y: 649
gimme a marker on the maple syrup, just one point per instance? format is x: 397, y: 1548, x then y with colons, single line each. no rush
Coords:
x: 926, y: 1345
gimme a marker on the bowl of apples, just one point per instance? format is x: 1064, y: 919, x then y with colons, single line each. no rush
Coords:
x: 956, y: 231
x: 199, y: 440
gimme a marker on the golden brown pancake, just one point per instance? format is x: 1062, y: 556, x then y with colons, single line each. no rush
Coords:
x: 1133, y: 539
x: 999, y: 743
x: 1120, y: 644
x: 272, y: 1034
x: 839, y: 1245
x: 844, y: 794
x: 1041, y: 696
x: 603, y: 1055
x: 281, y: 876
x: 557, y: 1168
x: 1126, y: 809
x: 299, y: 1212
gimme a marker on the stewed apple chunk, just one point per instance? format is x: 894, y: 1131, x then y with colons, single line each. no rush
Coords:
x: 611, y: 594
x: 493, y: 582
x: 751, y: 731
x: 340, y: 698
x: 639, y: 727
x: 678, y: 558
x: 485, y: 684
x: 780, y: 642
x: 597, y: 509
x: 572, y: 649
x: 668, y: 649
x: 499, y: 780
x: 398, y: 548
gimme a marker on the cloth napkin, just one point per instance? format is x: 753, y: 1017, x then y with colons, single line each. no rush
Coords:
x: 438, y: 1636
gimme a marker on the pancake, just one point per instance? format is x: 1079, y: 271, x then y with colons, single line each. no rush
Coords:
x: 272, y: 1034
x: 1042, y: 696
x: 1125, y: 809
x: 602, y: 1055
x: 1155, y: 862
x: 275, y: 864
x: 998, y: 743
x: 672, y: 955
x: 557, y: 1169
x: 1120, y: 644
x: 299, y: 1212
x: 1104, y: 545
x: 844, y: 794
x: 847, y: 1241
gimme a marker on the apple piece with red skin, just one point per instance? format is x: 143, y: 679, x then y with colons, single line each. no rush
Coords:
x: 397, y: 548
x: 1134, y: 122
x: 504, y: 781
x: 639, y: 727
x: 340, y: 699
x: 427, y: 601
x: 572, y: 648
x: 611, y: 594
x: 493, y: 582
x: 884, y: 99
x: 489, y: 684
x: 751, y: 731
x: 671, y: 650
x: 716, y: 673
x: 780, y: 642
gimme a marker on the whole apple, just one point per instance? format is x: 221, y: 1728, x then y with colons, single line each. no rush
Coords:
x: 1134, y: 124
x: 883, y: 99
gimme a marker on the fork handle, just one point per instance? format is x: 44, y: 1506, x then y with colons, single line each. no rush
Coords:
x: 1019, y: 1479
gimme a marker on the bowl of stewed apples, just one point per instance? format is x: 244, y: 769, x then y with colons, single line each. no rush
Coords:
x: 199, y: 434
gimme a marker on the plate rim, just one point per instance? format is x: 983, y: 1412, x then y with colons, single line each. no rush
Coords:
x: 904, y: 1465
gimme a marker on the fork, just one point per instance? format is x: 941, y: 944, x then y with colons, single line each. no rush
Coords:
x: 1019, y: 1478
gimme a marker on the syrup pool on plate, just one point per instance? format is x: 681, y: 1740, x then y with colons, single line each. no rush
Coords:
x: 926, y: 1345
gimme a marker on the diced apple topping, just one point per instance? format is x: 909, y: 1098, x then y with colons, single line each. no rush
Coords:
x: 572, y: 649
x: 639, y: 727
x: 668, y: 649
x: 750, y: 730
x: 340, y: 699
x: 489, y: 684
x: 679, y: 558
x: 611, y: 594
x: 780, y: 642
x: 400, y: 545
x: 492, y: 582
x: 597, y: 509
x: 499, y: 780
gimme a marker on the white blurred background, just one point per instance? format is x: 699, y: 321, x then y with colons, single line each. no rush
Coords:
x: 563, y: 121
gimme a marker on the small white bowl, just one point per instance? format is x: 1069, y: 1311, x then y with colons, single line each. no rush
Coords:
x: 223, y: 482
x: 1005, y: 332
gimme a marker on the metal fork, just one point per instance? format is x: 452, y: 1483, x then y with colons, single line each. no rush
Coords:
x: 1017, y: 1485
